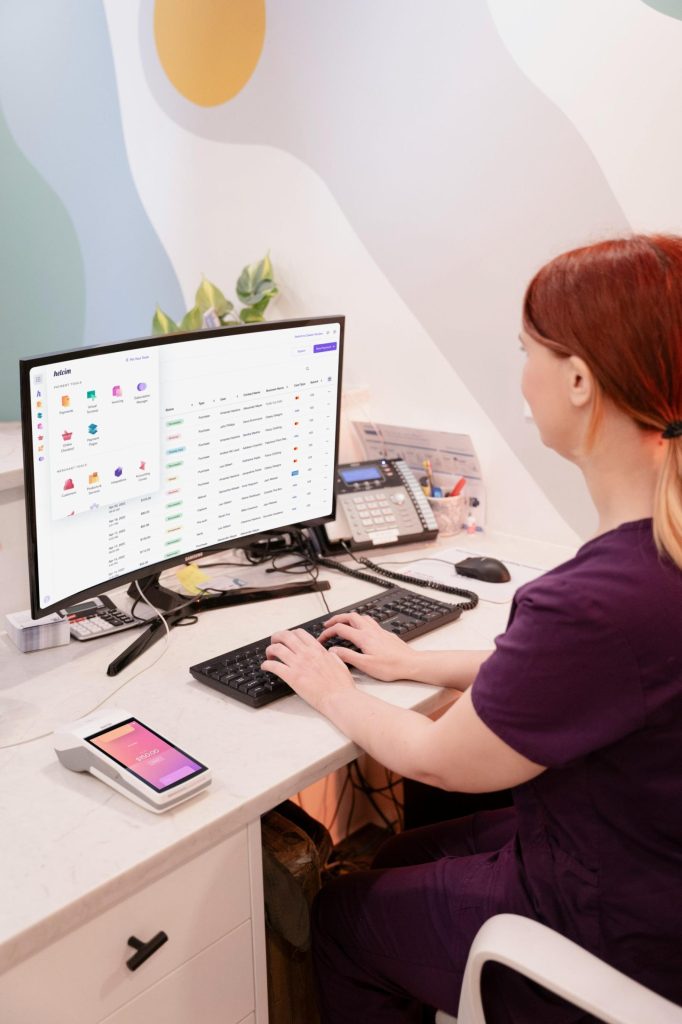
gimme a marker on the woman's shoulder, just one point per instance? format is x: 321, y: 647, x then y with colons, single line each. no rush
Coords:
x: 618, y: 577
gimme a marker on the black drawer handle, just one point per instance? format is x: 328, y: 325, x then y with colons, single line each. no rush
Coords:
x: 144, y: 949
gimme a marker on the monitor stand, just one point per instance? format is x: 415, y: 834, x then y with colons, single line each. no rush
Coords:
x: 161, y: 597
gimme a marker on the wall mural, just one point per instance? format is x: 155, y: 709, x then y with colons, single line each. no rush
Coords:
x: 439, y: 159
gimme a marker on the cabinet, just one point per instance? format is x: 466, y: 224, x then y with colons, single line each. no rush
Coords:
x: 211, y: 968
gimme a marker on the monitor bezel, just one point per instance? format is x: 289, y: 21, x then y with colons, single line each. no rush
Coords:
x: 30, y: 363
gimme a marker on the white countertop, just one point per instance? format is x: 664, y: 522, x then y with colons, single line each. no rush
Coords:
x: 72, y: 847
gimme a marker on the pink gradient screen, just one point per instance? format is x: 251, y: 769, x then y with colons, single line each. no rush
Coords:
x: 146, y: 754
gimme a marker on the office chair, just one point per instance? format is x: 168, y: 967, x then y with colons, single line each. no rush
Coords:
x: 561, y: 966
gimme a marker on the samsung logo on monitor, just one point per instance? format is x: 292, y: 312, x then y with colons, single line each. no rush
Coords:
x: 197, y: 554
x: 60, y: 373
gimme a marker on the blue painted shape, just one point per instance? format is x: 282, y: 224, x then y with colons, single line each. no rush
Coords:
x: 673, y: 8
x: 42, y: 286
x: 60, y: 100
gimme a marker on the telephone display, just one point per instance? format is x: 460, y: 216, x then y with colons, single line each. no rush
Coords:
x: 378, y: 503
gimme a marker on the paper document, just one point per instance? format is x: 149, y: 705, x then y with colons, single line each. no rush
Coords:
x: 452, y: 456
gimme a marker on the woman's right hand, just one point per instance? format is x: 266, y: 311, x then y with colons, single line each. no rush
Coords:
x: 381, y: 654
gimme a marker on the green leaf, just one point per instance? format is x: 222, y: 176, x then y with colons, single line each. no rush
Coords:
x: 256, y: 281
x: 254, y: 313
x: 209, y: 296
x: 250, y: 315
x: 192, y: 320
x: 162, y: 323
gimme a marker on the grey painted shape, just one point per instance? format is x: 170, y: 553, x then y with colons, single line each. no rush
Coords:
x: 673, y: 8
x: 42, y: 287
x: 59, y: 94
x: 457, y: 173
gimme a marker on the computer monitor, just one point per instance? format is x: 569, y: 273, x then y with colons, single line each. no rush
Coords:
x: 144, y: 454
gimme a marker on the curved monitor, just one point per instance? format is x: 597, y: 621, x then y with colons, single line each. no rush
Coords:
x: 144, y: 454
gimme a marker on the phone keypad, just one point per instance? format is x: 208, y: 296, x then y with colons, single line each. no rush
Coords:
x: 376, y: 515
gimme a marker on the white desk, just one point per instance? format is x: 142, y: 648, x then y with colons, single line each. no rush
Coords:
x: 83, y: 869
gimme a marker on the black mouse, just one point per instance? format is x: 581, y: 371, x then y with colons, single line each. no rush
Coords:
x: 490, y: 570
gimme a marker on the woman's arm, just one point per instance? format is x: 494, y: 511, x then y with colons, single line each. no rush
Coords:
x: 458, y: 751
x: 386, y: 657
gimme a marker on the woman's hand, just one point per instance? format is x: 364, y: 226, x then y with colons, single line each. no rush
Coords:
x: 384, y: 655
x: 312, y: 671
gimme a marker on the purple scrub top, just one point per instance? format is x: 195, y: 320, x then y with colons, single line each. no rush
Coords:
x: 587, y: 681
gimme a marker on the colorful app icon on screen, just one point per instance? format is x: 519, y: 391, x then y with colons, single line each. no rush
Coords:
x: 117, y: 391
x: 143, y: 465
x: 66, y: 401
x: 93, y: 478
x: 118, y: 471
x: 92, y: 428
x: 142, y: 386
x: 91, y: 395
x: 67, y: 435
x: 68, y: 484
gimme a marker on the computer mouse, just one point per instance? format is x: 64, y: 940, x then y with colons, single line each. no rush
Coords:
x: 477, y: 567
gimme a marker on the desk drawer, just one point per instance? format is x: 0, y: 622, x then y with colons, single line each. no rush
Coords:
x: 83, y: 977
x: 215, y: 987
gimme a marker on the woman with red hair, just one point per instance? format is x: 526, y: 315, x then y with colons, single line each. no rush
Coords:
x: 578, y: 708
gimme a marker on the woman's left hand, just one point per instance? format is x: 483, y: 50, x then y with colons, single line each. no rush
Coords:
x: 301, y: 661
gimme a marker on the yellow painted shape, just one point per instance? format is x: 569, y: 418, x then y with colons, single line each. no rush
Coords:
x: 209, y: 48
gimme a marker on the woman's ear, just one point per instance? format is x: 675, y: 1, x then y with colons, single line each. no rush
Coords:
x: 580, y: 382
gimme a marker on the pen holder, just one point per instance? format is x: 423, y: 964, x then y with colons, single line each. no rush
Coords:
x: 450, y: 513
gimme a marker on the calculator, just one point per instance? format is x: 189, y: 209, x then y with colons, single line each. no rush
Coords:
x: 97, y: 617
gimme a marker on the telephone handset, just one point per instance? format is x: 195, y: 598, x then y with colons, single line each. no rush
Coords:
x: 377, y: 503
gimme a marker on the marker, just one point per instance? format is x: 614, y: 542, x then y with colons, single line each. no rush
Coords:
x: 427, y: 466
x: 458, y: 488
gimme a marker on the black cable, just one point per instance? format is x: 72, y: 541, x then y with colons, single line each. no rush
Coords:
x: 367, y: 790
x: 339, y: 801
x: 472, y: 599
x: 352, y: 800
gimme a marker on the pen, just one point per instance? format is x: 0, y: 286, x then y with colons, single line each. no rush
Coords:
x: 427, y: 467
x: 458, y: 488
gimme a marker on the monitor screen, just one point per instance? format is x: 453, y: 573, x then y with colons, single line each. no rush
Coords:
x: 141, y: 454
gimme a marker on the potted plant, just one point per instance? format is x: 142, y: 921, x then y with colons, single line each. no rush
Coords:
x: 255, y: 288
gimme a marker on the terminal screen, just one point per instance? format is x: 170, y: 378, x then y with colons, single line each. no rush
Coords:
x: 147, y: 755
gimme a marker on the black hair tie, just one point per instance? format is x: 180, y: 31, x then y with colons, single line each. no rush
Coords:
x: 673, y: 429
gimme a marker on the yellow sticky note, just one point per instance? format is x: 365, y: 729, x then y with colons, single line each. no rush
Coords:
x: 189, y: 576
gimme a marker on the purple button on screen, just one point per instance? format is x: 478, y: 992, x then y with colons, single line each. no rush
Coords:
x: 179, y: 773
x: 326, y: 346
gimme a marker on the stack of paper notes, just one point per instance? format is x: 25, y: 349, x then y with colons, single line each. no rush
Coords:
x: 36, y: 634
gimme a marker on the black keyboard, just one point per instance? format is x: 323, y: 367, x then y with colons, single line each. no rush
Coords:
x: 238, y: 673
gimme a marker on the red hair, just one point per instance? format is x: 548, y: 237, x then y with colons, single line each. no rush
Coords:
x: 618, y: 305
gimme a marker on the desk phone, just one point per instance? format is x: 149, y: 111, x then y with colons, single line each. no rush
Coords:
x: 378, y: 503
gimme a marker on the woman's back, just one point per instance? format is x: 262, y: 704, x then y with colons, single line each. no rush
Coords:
x: 587, y: 680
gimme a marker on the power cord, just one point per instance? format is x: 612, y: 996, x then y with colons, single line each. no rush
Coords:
x: 112, y: 693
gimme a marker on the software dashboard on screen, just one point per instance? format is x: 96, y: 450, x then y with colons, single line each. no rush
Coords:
x: 144, y: 452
